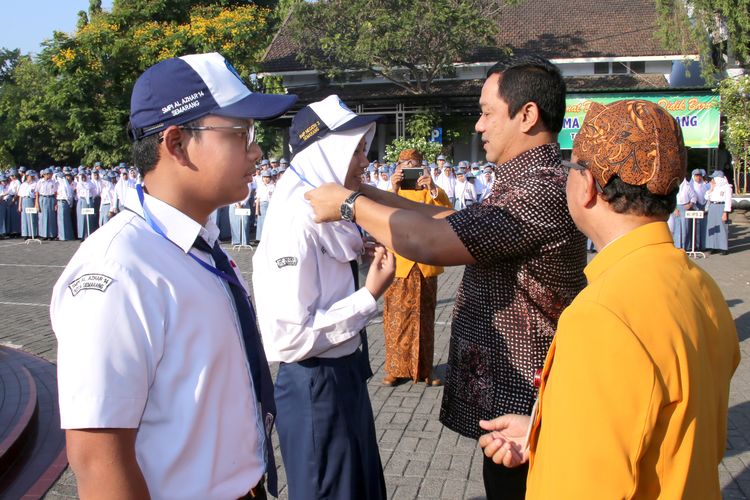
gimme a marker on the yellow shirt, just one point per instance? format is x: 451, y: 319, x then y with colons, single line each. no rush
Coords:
x: 633, y: 402
x: 404, y: 265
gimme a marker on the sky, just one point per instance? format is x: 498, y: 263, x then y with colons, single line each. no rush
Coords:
x: 24, y: 24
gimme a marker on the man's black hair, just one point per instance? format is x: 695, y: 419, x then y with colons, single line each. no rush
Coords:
x: 146, y: 150
x: 532, y: 79
x: 637, y: 200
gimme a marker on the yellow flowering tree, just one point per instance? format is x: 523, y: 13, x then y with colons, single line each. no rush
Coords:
x: 91, y: 72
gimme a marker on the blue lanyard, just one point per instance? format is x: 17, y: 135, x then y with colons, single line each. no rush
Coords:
x: 218, y: 272
x: 302, y: 177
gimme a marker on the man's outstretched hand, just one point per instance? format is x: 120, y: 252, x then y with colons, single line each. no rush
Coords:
x: 326, y: 201
x: 506, y: 442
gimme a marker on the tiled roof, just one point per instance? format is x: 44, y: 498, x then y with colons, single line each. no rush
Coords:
x: 556, y: 29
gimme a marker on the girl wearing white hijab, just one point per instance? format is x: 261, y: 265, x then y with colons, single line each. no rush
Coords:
x: 312, y: 314
x: 384, y: 182
x: 719, y: 202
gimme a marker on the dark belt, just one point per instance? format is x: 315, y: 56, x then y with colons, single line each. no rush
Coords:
x: 47, y: 195
x: 716, y: 202
x: 256, y: 493
x: 313, y: 362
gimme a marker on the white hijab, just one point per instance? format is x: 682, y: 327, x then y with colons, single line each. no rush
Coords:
x: 325, y: 160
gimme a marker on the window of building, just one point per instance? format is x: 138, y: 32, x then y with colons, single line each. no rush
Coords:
x: 601, y: 68
x: 619, y: 68
x: 638, y: 67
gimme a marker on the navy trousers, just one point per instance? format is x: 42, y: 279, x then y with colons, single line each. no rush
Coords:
x: 327, y: 431
x: 4, y: 226
x: 13, y: 217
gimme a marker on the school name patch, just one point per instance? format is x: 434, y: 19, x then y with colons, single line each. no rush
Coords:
x: 286, y: 261
x: 90, y: 282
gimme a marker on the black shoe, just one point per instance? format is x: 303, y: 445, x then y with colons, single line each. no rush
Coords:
x: 724, y: 252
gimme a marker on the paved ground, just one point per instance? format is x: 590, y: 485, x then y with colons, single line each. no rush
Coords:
x: 421, y: 457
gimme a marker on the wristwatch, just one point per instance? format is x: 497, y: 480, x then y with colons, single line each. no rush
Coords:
x: 347, y: 208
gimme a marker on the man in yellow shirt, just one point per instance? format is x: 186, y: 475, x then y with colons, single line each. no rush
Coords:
x: 634, y: 391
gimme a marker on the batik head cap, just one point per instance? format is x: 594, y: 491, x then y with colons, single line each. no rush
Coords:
x: 410, y: 154
x: 638, y: 141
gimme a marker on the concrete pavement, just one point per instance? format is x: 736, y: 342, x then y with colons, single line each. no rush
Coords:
x: 421, y: 458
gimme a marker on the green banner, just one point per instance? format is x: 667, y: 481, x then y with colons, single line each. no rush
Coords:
x: 698, y: 114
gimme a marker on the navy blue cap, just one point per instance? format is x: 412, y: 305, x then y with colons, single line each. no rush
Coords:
x: 183, y: 89
x: 315, y: 121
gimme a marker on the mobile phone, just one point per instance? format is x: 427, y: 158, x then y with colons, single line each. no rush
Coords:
x: 411, y: 175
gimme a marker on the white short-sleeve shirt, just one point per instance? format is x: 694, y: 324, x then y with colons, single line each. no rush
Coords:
x: 307, y: 304
x: 149, y: 339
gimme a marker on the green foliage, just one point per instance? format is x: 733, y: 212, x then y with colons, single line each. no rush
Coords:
x: 71, y: 104
x: 422, y: 124
x: 688, y: 26
x: 735, y: 106
x: 8, y: 61
x: 409, y: 42
x: 429, y: 150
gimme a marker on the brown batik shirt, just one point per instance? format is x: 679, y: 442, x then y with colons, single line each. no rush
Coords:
x: 530, y: 259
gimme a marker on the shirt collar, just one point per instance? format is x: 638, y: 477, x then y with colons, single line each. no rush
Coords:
x: 537, y: 157
x: 179, y: 228
x: 654, y: 233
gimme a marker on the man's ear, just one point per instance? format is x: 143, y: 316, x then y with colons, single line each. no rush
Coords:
x: 590, y: 192
x: 172, y: 142
x: 530, y: 116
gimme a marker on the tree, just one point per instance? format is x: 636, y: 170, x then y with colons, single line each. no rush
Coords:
x: 8, y: 61
x: 95, y: 7
x: 429, y: 150
x: 408, y: 42
x: 32, y: 130
x: 713, y: 27
x: 735, y: 106
x: 71, y: 103
x: 94, y: 69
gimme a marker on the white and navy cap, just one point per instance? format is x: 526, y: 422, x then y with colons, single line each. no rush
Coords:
x: 313, y: 122
x: 182, y: 89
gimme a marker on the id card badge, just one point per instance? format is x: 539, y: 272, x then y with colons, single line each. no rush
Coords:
x: 534, y: 411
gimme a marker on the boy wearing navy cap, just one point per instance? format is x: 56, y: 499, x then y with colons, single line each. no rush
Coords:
x: 173, y: 399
